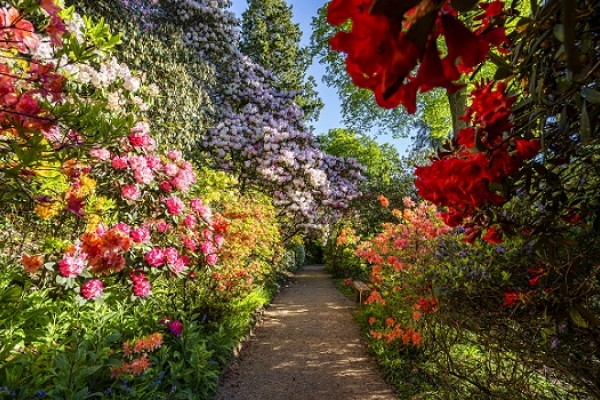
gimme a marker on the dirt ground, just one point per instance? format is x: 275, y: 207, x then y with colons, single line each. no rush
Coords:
x: 307, y: 347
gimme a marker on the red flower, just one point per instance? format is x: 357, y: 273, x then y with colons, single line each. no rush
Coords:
x: 493, y: 236
x: 510, y: 298
x: 527, y: 149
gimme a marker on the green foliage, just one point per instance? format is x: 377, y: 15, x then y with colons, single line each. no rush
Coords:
x: 271, y: 39
x: 182, y: 105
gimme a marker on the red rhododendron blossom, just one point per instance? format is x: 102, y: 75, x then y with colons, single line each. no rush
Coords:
x: 493, y: 236
x: 175, y: 327
x: 155, y: 257
x: 130, y: 192
x: 527, y: 149
x: 174, y: 205
x: 71, y: 266
x: 510, y: 298
x: 92, y: 289
x: 384, y: 49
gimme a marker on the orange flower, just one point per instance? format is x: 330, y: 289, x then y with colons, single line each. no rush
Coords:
x: 372, y: 320
x: 31, y: 263
x: 416, y: 315
x: 389, y: 322
x: 416, y: 338
x: 383, y: 200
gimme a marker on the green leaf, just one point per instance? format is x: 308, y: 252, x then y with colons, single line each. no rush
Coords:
x: 463, y: 5
x: 591, y: 95
x: 586, y: 127
x: 559, y: 32
x: 577, y: 318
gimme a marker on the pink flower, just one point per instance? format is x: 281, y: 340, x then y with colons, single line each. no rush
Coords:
x: 143, y: 175
x: 212, y: 259
x: 162, y: 227
x: 92, y: 289
x: 140, y: 235
x: 119, y: 162
x: 190, y: 221
x: 200, y: 208
x: 219, y: 240
x: 207, y: 248
x: 130, y: 192
x: 137, y: 162
x: 122, y: 227
x: 171, y: 255
x: 100, y: 153
x: 70, y: 266
x: 140, y: 139
x: 174, y: 155
x: 165, y: 186
x: 171, y: 169
x: 174, y: 205
x: 153, y: 162
x: 178, y: 266
x: 189, y: 244
x: 207, y: 233
x: 141, y: 286
x: 175, y: 327
x: 155, y: 257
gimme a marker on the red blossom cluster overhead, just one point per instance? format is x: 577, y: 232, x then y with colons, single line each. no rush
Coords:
x: 388, y: 39
x: 484, y: 155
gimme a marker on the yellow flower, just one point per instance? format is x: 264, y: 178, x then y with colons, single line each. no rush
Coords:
x: 92, y: 223
x: 47, y: 210
x: 88, y: 186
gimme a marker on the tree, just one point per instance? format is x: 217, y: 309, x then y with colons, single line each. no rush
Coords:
x: 272, y: 40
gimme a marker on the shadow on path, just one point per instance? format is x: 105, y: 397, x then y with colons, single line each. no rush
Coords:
x: 307, y: 347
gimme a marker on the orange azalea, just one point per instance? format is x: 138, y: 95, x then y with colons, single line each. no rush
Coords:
x: 31, y: 263
x: 383, y: 200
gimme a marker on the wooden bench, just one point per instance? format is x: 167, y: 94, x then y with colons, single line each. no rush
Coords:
x: 360, y: 288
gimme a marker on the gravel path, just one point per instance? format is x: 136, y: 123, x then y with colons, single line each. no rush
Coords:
x: 307, y: 347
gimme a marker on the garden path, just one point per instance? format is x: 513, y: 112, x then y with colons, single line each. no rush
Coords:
x: 306, y: 348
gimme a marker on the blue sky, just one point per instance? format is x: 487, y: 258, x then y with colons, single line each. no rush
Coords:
x: 330, y: 117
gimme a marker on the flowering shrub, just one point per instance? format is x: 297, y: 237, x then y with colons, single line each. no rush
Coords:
x: 386, y: 42
x: 397, y: 255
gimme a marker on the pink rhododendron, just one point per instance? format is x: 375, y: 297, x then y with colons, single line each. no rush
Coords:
x: 174, y: 205
x: 207, y: 248
x: 100, y: 153
x: 189, y: 244
x: 119, y: 162
x: 175, y: 327
x: 174, y: 155
x: 141, y: 286
x: 211, y: 259
x: 71, y: 266
x: 163, y: 227
x: 92, y: 289
x: 219, y: 240
x: 171, y: 169
x: 155, y: 257
x: 122, y: 227
x: 171, y: 255
x: 130, y: 192
x: 143, y: 175
x: 165, y: 186
x: 190, y: 221
x: 137, y: 162
x: 153, y: 162
x: 140, y: 235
